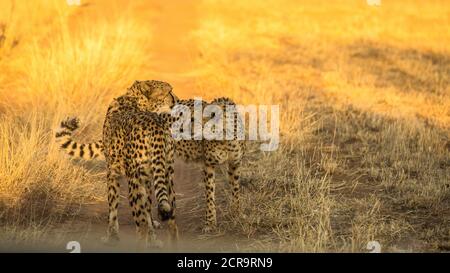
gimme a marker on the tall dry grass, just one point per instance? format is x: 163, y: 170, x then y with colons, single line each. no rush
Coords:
x: 53, y: 66
x: 364, y: 97
x: 363, y: 94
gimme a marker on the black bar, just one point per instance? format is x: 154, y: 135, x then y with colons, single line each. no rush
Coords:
x: 230, y: 262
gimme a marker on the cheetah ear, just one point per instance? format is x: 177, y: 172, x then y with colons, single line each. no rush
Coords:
x: 132, y: 89
x: 135, y: 84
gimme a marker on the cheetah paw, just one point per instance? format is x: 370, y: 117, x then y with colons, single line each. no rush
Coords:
x: 157, y: 225
x: 209, y: 229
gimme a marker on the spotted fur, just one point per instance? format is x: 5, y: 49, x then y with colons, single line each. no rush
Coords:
x: 136, y: 143
x: 210, y: 153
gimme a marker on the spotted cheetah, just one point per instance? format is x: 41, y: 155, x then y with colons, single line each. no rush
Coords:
x: 210, y: 153
x: 138, y: 144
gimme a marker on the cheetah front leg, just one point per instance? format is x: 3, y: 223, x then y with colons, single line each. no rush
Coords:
x: 234, y: 169
x: 112, y: 235
x: 209, y: 180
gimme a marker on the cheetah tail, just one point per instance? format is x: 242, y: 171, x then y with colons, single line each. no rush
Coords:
x: 165, y: 210
x: 86, y: 151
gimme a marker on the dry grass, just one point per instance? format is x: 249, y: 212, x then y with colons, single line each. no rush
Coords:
x: 364, y: 99
x: 46, y: 76
x: 365, y: 120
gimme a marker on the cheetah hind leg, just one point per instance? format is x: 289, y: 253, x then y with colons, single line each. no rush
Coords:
x: 140, y: 203
x: 173, y: 227
x: 148, y: 187
x: 112, y: 236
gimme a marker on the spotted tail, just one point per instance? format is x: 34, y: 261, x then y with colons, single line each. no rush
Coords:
x: 163, y: 179
x: 86, y: 151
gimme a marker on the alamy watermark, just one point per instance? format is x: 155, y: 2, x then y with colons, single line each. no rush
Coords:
x: 228, y: 122
x: 73, y: 246
x: 374, y: 247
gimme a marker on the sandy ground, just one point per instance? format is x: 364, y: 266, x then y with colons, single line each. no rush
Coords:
x: 90, y: 225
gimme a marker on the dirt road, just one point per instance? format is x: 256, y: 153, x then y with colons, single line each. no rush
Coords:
x: 172, y: 53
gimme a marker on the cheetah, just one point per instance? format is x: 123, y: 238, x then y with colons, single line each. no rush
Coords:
x: 209, y: 153
x: 138, y: 144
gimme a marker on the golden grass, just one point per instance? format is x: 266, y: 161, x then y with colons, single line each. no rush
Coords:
x: 363, y: 94
x: 372, y: 85
x: 60, y: 69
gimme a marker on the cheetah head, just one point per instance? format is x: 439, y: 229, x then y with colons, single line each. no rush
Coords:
x: 154, y: 96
